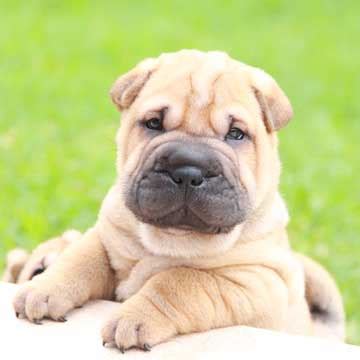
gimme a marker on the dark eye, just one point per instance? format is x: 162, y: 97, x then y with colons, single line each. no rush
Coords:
x: 235, y: 134
x: 154, y: 124
x: 37, y: 272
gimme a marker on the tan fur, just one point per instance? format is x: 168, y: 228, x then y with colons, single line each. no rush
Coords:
x: 21, y: 265
x: 15, y: 261
x: 324, y: 299
x: 175, y: 281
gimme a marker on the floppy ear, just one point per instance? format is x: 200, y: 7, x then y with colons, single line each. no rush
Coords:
x: 128, y: 86
x: 15, y: 261
x: 274, y: 104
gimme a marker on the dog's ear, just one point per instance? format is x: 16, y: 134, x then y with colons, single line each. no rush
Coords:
x: 128, y: 86
x: 275, y: 106
x: 15, y: 262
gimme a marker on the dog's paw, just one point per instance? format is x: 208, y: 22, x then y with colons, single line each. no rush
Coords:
x: 134, y: 329
x: 36, y: 302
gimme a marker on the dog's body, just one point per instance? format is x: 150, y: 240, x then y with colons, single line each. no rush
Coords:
x: 22, y: 266
x: 192, y: 236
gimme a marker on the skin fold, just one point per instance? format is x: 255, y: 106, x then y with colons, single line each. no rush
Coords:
x: 192, y: 235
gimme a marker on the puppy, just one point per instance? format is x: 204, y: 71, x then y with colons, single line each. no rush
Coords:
x: 22, y: 266
x: 192, y: 235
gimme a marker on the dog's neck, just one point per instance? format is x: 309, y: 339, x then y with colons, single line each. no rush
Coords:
x: 271, y: 217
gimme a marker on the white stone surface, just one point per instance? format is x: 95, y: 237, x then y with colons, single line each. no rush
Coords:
x: 79, y: 338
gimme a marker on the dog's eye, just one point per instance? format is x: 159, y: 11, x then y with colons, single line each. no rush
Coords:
x: 154, y: 124
x: 235, y: 134
x: 37, y: 271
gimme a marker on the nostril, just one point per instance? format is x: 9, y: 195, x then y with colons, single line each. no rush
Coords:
x: 177, y: 179
x: 187, y: 175
x: 196, y: 181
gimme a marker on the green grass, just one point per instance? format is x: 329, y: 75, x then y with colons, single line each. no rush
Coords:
x: 57, y: 125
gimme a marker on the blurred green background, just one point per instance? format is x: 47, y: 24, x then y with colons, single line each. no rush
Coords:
x: 58, y: 60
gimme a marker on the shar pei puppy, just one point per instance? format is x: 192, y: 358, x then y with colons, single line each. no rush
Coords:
x: 192, y: 235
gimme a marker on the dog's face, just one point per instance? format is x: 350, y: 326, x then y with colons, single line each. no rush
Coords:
x: 197, y: 150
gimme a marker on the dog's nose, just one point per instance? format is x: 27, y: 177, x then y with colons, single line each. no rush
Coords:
x: 188, y: 164
x: 187, y: 175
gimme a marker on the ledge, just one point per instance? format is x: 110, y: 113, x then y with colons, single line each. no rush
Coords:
x: 79, y: 338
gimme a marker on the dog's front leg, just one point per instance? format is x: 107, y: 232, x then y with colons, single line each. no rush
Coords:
x: 184, y: 300
x: 82, y: 272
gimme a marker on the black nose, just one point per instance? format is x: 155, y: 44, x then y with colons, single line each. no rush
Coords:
x: 188, y: 164
x: 187, y: 175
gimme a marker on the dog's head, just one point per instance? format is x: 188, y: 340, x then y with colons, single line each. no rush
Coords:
x: 197, y: 148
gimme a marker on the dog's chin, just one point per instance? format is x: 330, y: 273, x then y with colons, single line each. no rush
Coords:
x: 186, y: 228
x: 186, y: 243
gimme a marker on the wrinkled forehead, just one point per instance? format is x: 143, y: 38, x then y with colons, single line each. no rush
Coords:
x: 197, y: 83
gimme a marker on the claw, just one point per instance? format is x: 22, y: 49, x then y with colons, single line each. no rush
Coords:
x: 17, y: 314
x: 122, y: 349
x: 62, y: 319
x: 37, y: 322
x: 146, y: 347
x: 104, y: 343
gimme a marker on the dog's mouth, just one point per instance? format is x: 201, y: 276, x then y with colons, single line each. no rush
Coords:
x: 184, y: 221
x: 184, y: 187
x: 214, y: 206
